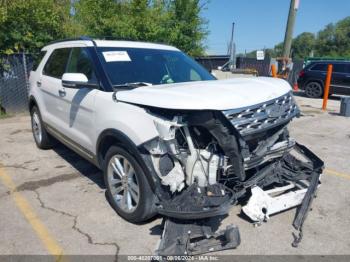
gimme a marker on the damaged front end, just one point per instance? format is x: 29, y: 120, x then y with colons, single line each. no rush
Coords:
x: 207, y: 161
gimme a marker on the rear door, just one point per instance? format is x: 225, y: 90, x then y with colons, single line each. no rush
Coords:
x: 340, y: 78
x: 347, y: 77
x: 49, y: 84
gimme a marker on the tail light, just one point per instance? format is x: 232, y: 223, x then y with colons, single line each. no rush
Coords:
x: 301, y: 73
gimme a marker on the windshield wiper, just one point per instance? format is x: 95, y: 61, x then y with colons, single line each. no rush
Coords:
x: 132, y: 85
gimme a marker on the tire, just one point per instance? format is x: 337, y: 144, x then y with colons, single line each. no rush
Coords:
x: 129, y: 194
x: 314, y: 90
x: 41, y: 137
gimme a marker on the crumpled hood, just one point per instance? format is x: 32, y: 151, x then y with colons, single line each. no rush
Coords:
x: 208, y: 95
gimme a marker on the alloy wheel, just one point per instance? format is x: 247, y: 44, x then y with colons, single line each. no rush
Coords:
x: 123, y: 184
x: 313, y: 90
x: 37, y: 129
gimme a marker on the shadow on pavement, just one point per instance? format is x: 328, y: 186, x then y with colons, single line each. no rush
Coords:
x: 83, y: 166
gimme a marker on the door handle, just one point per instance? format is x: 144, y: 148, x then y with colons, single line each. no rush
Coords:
x: 62, y: 92
x: 38, y: 83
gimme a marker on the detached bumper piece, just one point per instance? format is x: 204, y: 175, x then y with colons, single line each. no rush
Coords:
x: 309, y: 196
x: 193, y: 237
x: 301, y: 171
x: 197, y: 202
x: 191, y: 218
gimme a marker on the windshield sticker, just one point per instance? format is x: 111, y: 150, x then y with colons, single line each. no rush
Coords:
x: 116, y: 56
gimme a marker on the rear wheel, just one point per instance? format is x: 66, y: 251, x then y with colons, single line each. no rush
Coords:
x: 314, y: 90
x: 41, y: 137
x: 127, y: 187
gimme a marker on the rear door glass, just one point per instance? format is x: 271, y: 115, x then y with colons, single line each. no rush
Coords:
x: 56, y: 64
x: 339, y: 68
x: 319, y: 67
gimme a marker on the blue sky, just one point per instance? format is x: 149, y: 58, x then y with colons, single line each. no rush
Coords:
x: 261, y: 23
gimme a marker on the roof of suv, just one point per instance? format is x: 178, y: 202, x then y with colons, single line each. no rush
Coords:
x: 108, y: 43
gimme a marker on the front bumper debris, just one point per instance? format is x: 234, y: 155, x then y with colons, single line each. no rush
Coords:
x: 188, y: 231
x: 262, y: 203
x: 197, y: 202
x: 193, y: 237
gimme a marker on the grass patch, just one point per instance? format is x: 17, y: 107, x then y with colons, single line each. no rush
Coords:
x: 2, y: 113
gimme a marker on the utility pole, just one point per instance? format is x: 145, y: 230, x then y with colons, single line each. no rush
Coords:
x: 294, y: 5
x: 232, y: 49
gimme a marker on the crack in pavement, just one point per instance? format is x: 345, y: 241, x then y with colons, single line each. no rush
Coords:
x: 21, y: 166
x: 33, y: 185
x: 7, y: 193
x: 27, y: 130
x: 75, y: 226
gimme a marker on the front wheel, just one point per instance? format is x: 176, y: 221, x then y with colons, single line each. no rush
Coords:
x: 127, y: 187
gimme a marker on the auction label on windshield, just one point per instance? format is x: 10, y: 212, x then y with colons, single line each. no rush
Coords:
x: 116, y: 56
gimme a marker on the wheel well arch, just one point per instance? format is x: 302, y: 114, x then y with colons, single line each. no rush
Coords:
x: 111, y: 137
x: 31, y: 103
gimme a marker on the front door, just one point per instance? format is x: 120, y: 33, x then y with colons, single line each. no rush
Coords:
x: 78, y: 104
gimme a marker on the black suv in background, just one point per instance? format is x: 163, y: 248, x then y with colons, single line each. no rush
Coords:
x: 313, y: 76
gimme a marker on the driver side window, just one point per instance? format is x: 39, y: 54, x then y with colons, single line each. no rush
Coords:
x: 80, y: 62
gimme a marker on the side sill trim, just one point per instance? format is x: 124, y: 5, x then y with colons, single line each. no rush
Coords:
x: 83, y: 152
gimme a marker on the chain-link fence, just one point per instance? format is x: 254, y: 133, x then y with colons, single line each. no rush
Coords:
x: 14, y: 73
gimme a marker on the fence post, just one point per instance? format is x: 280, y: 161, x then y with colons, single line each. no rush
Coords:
x: 24, y: 62
x: 326, y: 87
x: 273, y: 71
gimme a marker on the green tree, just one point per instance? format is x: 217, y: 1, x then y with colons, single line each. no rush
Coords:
x: 325, y: 45
x: 334, y: 40
x: 175, y: 22
x: 187, y: 28
x: 303, y: 45
x: 30, y: 24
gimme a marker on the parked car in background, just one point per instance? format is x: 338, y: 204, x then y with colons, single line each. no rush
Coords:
x: 312, y: 77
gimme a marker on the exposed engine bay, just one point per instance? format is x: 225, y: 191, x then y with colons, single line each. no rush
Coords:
x: 206, y: 161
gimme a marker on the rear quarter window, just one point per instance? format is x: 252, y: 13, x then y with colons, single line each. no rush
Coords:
x: 37, y: 59
x: 56, y: 64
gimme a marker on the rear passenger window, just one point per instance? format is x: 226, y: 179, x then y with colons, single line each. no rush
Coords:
x: 339, y: 68
x: 319, y: 67
x: 56, y: 64
x: 80, y: 62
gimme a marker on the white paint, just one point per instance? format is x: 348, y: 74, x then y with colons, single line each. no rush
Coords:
x: 132, y: 44
x: 261, y: 204
x: 75, y: 77
x: 215, y: 94
x: 116, y: 56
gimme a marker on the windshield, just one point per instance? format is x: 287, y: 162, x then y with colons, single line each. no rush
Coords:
x: 150, y: 66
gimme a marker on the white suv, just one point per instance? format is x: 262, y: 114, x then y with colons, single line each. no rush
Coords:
x: 169, y: 137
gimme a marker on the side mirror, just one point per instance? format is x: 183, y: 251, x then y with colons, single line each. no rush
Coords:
x: 76, y: 80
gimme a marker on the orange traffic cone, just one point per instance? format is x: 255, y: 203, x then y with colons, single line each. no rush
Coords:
x: 295, y: 87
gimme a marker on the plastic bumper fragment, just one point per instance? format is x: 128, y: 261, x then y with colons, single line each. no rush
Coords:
x: 193, y: 237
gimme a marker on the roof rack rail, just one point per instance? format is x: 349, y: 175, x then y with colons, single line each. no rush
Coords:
x: 70, y: 39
